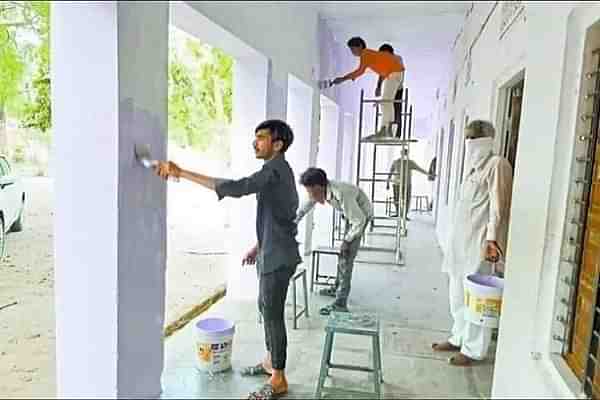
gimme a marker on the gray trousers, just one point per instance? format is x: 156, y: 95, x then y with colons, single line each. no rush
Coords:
x: 272, y: 292
x: 344, y: 270
x: 397, y: 192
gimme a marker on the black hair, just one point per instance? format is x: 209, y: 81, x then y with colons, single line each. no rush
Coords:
x: 386, y: 47
x: 357, y: 42
x: 279, y: 130
x: 313, y: 177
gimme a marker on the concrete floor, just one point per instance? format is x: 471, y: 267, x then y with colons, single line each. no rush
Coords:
x: 412, y: 304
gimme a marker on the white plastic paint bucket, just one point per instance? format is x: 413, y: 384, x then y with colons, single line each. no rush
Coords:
x: 483, y: 299
x: 214, y: 340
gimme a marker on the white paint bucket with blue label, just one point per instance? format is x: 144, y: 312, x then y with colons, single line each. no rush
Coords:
x: 483, y: 299
x: 214, y: 342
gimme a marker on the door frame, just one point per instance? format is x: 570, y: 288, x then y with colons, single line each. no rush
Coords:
x: 502, y: 109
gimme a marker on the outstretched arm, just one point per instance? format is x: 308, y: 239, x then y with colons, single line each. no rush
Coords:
x: 223, y: 187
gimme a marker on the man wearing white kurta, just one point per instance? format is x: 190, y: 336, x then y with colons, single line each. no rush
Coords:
x: 478, y: 236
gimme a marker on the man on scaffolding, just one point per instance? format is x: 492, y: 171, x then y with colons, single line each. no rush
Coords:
x: 390, y: 69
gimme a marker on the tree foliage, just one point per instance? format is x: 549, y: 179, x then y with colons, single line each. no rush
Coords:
x: 24, y: 61
x: 200, y: 92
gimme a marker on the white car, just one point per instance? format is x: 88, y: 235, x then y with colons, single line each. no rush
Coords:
x: 12, y: 203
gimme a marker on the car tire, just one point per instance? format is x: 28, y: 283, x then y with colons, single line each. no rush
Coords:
x: 17, y: 226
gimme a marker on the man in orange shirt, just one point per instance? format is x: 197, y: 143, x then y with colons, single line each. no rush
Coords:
x: 397, y: 106
x: 389, y: 68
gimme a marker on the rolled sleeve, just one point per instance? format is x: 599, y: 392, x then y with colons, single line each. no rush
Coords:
x: 305, y: 209
x: 246, y: 186
x: 359, y: 71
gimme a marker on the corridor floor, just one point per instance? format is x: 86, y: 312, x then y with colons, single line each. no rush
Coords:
x: 412, y: 303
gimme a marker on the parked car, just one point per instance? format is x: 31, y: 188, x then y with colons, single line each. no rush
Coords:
x: 12, y: 203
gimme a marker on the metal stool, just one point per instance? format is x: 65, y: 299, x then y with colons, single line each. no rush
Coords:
x: 419, y: 206
x: 316, y: 261
x: 300, y: 273
x: 364, y: 324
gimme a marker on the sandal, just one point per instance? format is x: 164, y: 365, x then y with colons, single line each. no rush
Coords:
x: 330, y: 291
x: 332, y: 308
x: 255, y: 370
x: 460, y: 360
x: 265, y: 393
x: 445, y: 346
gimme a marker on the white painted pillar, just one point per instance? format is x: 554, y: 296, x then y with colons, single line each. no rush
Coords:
x: 249, y: 109
x: 518, y: 335
x: 109, y: 91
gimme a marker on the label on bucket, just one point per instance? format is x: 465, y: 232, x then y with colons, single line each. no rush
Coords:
x: 214, y: 357
x: 484, y: 311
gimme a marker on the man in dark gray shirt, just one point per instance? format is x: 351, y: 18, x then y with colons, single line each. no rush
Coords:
x: 276, y: 253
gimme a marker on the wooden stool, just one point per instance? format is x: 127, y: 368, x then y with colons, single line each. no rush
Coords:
x: 300, y: 273
x: 364, y: 324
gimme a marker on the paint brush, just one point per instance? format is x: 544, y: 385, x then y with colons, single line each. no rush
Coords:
x: 325, y: 84
x: 142, y: 154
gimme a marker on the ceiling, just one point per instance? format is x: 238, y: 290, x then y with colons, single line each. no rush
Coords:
x: 427, y: 25
x: 422, y: 32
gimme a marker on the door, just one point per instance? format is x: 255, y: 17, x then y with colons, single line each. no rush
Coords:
x: 586, y: 303
x: 512, y: 122
x: 584, y: 340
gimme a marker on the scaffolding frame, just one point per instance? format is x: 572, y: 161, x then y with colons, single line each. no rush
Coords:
x: 403, y: 139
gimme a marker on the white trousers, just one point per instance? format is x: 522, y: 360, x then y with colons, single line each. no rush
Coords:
x: 474, y: 340
x: 391, y: 84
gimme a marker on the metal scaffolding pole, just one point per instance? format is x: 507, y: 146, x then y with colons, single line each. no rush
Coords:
x: 404, y: 139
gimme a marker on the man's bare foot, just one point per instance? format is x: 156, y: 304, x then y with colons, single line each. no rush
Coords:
x: 445, y: 346
x: 460, y: 360
x: 279, y: 384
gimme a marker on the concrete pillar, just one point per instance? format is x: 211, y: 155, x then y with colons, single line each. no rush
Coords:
x: 250, y: 82
x: 109, y: 91
x: 277, y: 92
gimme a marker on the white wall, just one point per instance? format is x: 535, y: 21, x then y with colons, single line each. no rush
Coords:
x: 553, y: 60
x: 299, y: 116
x: 110, y: 216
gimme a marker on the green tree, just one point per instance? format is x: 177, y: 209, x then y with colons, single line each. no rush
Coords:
x: 37, y: 112
x: 19, y: 21
x: 200, y: 92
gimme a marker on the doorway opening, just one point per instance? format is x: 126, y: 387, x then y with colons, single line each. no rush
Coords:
x: 511, y: 120
x: 327, y: 161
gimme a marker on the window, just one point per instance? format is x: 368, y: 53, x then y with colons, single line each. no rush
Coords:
x: 449, y: 159
x: 440, y: 158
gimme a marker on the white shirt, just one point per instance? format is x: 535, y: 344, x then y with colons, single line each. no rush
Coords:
x: 481, y: 212
x: 351, y: 201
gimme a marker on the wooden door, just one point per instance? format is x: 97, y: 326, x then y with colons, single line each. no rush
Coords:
x: 585, y: 336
